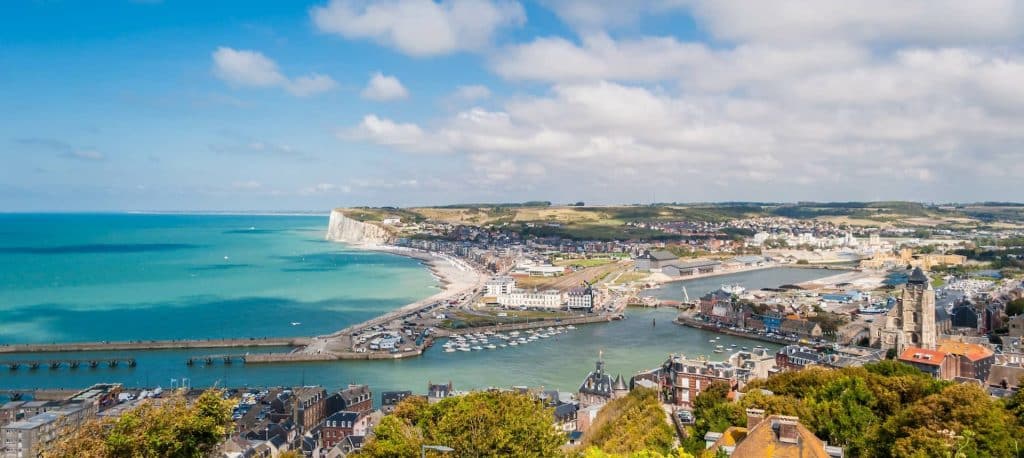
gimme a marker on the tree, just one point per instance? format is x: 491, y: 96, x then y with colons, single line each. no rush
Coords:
x: 632, y: 423
x: 594, y: 452
x: 1015, y: 307
x: 478, y: 424
x: 170, y: 427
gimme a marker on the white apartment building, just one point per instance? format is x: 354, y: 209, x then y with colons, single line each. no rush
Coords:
x: 500, y: 286
x: 550, y: 299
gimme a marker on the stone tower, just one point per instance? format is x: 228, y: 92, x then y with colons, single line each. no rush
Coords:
x: 911, y: 323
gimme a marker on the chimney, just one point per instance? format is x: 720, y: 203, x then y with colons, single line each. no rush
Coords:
x: 788, y: 429
x: 754, y: 416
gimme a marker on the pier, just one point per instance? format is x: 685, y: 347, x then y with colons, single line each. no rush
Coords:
x: 209, y: 360
x: 156, y: 345
x: 92, y: 363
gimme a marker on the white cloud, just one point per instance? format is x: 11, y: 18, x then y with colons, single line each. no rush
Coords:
x: 383, y: 88
x: 921, y: 22
x: 918, y: 100
x: 244, y: 68
x: 387, y: 132
x: 420, y: 27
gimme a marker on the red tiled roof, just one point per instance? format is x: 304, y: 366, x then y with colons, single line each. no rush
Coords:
x: 973, y: 352
x: 923, y: 356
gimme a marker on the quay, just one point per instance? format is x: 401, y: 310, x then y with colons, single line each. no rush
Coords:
x: 689, y: 322
x: 156, y: 345
x: 210, y: 359
x: 71, y: 363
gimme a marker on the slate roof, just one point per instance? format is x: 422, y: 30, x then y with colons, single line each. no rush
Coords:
x: 764, y: 437
x: 917, y: 277
x: 661, y: 255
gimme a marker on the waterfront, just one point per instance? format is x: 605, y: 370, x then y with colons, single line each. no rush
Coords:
x: 640, y: 342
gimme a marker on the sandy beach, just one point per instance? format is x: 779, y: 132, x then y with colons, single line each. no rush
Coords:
x: 456, y: 278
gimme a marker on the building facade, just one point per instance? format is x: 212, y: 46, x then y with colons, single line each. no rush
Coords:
x: 911, y: 323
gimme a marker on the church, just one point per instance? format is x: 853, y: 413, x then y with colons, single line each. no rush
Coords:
x: 911, y: 323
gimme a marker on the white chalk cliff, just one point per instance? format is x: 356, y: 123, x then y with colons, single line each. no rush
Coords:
x: 347, y: 230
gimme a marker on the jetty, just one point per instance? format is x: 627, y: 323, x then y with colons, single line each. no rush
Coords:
x: 92, y: 363
x: 175, y: 344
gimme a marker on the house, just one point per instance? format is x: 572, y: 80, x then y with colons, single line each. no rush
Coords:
x: 580, y: 298
x: 718, y: 306
x: 337, y: 427
x: 655, y: 260
x: 772, y: 436
x: 936, y: 363
x: 800, y: 328
x: 33, y: 436
x: 565, y: 416
x: 310, y: 407
x: 683, y: 379
x: 437, y: 392
x: 355, y: 398
x: 390, y: 399
x: 1006, y: 376
x: 974, y: 360
x: 964, y: 317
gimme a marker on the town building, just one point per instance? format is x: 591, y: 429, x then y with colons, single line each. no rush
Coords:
x: 1015, y: 325
x: 499, y: 286
x: 598, y: 387
x: 337, y: 427
x: 437, y: 392
x: 655, y: 260
x: 310, y: 407
x: 974, y: 360
x: 580, y: 298
x: 936, y: 363
x: 354, y: 398
x: 774, y: 436
x: 689, y: 269
x: 800, y: 328
x: 911, y: 323
x: 547, y: 299
x: 390, y: 399
x: 32, y: 437
x: 683, y: 379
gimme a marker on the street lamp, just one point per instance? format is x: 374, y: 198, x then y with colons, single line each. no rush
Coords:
x: 438, y: 448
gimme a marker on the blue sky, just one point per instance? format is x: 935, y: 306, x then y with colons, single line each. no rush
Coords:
x: 176, y: 105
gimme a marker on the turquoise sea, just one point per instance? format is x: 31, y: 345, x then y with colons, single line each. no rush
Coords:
x: 87, y: 277
x: 115, y: 277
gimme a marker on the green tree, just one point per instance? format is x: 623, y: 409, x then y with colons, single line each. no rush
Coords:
x: 480, y: 424
x: 173, y: 428
x: 1015, y: 307
x: 631, y: 423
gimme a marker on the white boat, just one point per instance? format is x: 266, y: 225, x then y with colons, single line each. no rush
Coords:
x: 477, y: 347
x: 295, y: 323
x: 711, y: 340
x: 718, y: 350
x: 570, y: 327
x: 733, y: 289
x: 873, y: 309
x: 502, y: 345
x: 544, y: 336
x: 513, y: 343
x: 449, y: 350
x: 490, y: 346
x: 463, y: 348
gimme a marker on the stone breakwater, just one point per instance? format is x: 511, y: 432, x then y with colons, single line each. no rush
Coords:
x: 341, y: 228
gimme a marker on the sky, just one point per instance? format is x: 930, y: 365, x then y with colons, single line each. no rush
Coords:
x: 288, y: 105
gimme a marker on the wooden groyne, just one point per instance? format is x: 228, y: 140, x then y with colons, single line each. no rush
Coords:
x: 156, y: 345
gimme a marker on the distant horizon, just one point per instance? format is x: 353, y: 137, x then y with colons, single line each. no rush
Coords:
x: 324, y: 212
